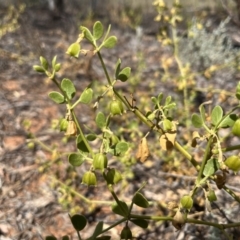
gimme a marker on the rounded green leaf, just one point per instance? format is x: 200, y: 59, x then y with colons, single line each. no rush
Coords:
x: 140, y: 200
x: 197, y: 120
x: 74, y: 50
x: 233, y: 163
x: 44, y: 63
x: 238, y: 91
x: 110, y: 42
x: 54, y: 60
x: 122, y: 211
x: 68, y: 87
x: 38, y: 68
x: 87, y: 34
x: 124, y: 74
x: 121, y: 147
x: 86, y: 96
x: 126, y: 233
x: 81, y: 145
x: 75, y: 159
x: 56, y: 97
x: 79, y: 222
x: 97, y: 30
x: 211, y: 167
x: 142, y: 223
x: 101, y: 120
x: 89, y: 178
x: 216, y: 115
x: 98, y: 230
x: 186, y: 202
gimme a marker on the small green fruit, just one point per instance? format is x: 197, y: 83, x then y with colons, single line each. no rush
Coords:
x: 233, y: 163
x: 100, y: 161
x: 38, y: 68
x: 63, y: 125
x: 113, y: 176
x: 236, y: 128
x: 211, y: 196
x: 89, y: 178
x: 116, y: 107
x: 74, y: 50
x: 186, y: 202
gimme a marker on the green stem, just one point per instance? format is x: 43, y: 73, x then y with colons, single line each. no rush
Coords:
x: 114, y: 225
x: 104, y: 68
x: 205, y: 158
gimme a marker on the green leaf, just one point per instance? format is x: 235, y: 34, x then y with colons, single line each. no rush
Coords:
x: 86, y: 96
x: 38, y: 68
x: 50, y: 238
x: 110, y: 42
x: 79, y: 222
x: 142, y: 223
x: 87, y: 34
x: 154, y: 100
x: 117, y: 68
x: 81, y: 145
x: 44, y: 63
x: 211, y: 167
x: 54, y: 61
x: 97, y: 30
x: 124, y: 74
x: 56, y: 97
x: 160, y: 97
x: 216, y: 115
x: 76, y: 159
x: 168, y: 100
x: 197, y: 120
x: 74, y: 50
x: 122, y: 211
x: 98, y: 229
x: 202, y: 112
x: 238, y: 91
x: 121, y: 147
x: 140, y: 200
x: 91, y: 137
x: 150, y: 116
x: 68, y: 87
x: 228, y: 121
x: 101, y: 120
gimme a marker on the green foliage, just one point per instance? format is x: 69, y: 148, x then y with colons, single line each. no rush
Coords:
x: 107, y: 146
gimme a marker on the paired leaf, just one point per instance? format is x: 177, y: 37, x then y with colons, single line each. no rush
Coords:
x: 44, y: 63
x: 68, y: 87
x: 117, y: 68
x: 76, y: 159
x: 121, y: 147
x: 228, y: 121
x: 56, y: 97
